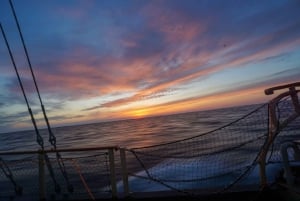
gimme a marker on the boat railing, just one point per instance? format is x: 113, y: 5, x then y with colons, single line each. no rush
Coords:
x: 281, y: 114
x: 215, y: 161
x: 91, y: 171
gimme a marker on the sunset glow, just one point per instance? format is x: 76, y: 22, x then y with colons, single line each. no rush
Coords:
x: 104, y: 60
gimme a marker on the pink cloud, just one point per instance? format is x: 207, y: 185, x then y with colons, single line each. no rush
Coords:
x: 196, y: 61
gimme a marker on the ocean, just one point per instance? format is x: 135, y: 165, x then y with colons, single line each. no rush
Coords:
x: 132, y: 133
x: 214, y: 149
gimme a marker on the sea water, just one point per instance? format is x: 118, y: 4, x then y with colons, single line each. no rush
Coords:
x: 130, y: 133
x: 133, y: 133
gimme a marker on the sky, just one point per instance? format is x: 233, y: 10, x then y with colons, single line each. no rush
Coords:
x: 106, y: 60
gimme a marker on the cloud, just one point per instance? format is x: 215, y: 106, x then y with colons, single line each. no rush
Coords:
x: 129, y: 52
x: 172, y: 44
x: 65, y: 117
x: 6, y: 119
x: 158, y: 88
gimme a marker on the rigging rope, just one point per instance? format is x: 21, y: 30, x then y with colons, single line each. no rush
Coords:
x: 4, y: 167
x: 158, y: 180
x: 86, y: 186
x: 52, y: 138
x: 40, y: 140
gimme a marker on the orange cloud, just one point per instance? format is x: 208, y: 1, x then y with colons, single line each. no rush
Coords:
x: 226, y: 99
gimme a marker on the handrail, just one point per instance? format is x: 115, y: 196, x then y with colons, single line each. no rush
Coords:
x: 59, y: 150
x: 271, y: 90
x: 274, y: 125
x: 42, y: 162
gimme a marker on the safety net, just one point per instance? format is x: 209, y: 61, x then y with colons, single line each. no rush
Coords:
x: 222, y: 160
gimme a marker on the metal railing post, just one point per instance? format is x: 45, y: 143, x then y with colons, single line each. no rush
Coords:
x: 275, y: 126
x: 41, y: 176
x: 112, y: 169
x: 124, y: 171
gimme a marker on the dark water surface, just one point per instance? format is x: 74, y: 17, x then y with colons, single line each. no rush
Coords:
x: 128, y: 133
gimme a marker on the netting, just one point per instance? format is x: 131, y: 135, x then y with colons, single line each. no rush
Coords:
x: 225, y: 159
x: 214, y: 160
x: 89, y: 175
x: 284, y: 109
x: 222, y: 160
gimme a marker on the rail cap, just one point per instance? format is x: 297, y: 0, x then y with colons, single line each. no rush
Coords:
x: 78, y: 149
x: 271, y: 90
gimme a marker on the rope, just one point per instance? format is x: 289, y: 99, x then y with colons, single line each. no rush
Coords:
x: 62, y: 168
x: 159, y: 181
x: 4, y: 167
x: 51, y: 172
x: 246, y: 172
x: 206, y: 133
x: 245, y: 134
x: 77, y: 168
x: 52, y: 138
x: 186, y: 180
x: 207, y: 154
x: 38, y: 136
